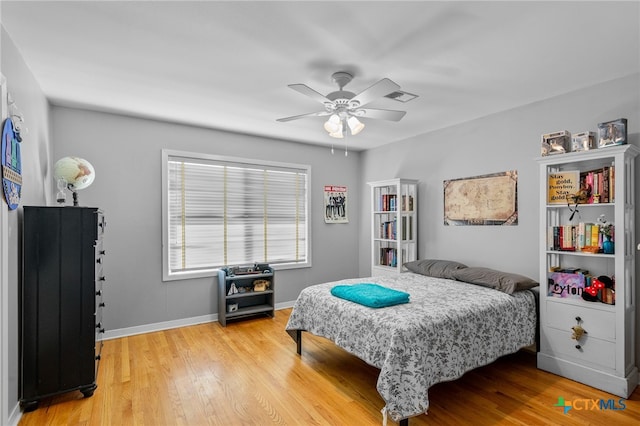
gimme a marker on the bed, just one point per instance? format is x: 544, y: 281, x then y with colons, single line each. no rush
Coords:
x: 458, y: 318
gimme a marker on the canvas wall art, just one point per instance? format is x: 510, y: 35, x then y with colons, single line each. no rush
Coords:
x: 482, y: 200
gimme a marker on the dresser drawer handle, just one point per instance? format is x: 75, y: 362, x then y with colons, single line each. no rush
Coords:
x: 99, y: 260
x: 99, y: 325
x: 102, y: 278
x: 99, y: 293
x: 102, y: 305
x: 578, y: 347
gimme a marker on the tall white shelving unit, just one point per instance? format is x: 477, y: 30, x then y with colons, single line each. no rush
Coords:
x: 604, y: 357
x: 394, y: 225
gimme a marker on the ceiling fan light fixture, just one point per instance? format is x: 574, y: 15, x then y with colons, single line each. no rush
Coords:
x: 333, y: 124
x: 338, y: 134
x: 355, y: 125
x: 344, y: 107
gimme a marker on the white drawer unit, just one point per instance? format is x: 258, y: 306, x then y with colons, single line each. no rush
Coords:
x: 596, y: 323
x: 588, y: 351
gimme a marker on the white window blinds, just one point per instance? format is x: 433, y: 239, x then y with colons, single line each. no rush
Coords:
x: 234, y: 212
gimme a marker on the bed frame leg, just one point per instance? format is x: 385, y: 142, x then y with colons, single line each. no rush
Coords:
x: 296, y: 335
x: 404, y: 422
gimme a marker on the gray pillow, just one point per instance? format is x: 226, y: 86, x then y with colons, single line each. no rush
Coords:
x: 434, y: 267
x: 503, y: 281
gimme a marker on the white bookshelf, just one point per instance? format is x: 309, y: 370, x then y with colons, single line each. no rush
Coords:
x: 394, y: 225
x: 604, y: 357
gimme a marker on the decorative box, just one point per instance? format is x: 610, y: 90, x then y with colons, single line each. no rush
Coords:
x: 556, y: 143
x: 583, y: 141
x: 612, y: 133
x: 565, y: 285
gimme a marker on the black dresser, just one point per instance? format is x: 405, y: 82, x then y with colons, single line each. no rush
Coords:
x: 60, y: 301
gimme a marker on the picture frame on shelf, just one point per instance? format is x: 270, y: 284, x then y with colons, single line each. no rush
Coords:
x: 562, y: 185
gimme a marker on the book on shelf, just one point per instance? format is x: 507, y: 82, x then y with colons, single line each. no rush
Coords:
x: 388, y: 229
x: 595, y: 235
x: 580, y: 237
x: 596, y: 186
x: 587, y: 234
x: 387, y: 202
x: 612, y: 184
x: 600, y: 183
x: 576, y: 237
x: 388, y: 256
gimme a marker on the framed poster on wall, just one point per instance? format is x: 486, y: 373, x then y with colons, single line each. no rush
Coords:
x: 335, y: 204
x: 490, y: 199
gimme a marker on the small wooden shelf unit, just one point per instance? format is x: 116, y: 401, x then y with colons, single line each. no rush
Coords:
x: 247, y: 302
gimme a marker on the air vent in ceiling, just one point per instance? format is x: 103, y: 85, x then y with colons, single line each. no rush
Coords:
x: 401, y: 96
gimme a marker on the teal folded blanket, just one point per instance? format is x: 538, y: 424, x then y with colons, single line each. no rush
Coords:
x: 371, y: 295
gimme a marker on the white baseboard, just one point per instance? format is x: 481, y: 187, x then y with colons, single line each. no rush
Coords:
x: 167, y: 325
x: 285, y: 305
x: 14, y: 416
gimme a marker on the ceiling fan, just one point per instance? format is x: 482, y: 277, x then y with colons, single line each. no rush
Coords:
x: 344, y: 107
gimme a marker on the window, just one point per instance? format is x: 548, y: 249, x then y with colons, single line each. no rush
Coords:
x: 221, y: 211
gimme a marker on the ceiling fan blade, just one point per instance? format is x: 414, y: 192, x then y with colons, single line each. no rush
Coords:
x: 311, y: 114
x: 306, y: 90
x: 378, y: 90
x: 380, y: 114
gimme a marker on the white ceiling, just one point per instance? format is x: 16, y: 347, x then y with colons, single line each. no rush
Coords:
x: 226, y: 65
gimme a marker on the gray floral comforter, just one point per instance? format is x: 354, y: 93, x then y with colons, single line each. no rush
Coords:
x: 448, y: 328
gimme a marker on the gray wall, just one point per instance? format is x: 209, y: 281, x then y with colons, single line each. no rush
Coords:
x: 126, y: 154
x: 35, y: 151
x: 506, y: 141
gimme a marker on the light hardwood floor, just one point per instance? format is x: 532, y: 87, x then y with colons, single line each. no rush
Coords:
x: 249, y: 374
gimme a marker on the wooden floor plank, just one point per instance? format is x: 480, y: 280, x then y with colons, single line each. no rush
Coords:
x: 248, y: 373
